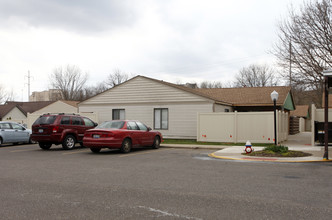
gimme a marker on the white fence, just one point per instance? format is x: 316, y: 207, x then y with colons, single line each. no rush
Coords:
x: 31, y: 118
x: 234, y: 127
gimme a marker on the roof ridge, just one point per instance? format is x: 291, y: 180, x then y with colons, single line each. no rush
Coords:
x: 187, y: 89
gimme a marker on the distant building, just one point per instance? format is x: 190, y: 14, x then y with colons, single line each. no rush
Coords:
x: 50, y: 95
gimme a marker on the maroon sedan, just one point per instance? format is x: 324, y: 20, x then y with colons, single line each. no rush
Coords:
x: 121, y: 134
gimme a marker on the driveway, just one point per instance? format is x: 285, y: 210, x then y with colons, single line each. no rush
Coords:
x: 166, y: 183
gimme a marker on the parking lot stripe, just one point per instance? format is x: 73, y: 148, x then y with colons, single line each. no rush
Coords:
x: 76, y: 152
x: 14, y: 151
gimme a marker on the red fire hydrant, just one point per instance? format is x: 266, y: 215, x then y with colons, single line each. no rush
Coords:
x: 248, y: 148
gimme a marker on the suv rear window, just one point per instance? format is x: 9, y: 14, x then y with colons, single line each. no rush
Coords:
x: 45, y: 120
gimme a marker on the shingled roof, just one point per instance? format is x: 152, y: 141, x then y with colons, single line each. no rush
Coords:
x: 301, y: 111
x: 24, y: 107
x: 72, y: 103
x: 244, y: 96
x: 248, y: 96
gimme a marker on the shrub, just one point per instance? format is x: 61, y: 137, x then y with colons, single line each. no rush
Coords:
x: 277, y: 149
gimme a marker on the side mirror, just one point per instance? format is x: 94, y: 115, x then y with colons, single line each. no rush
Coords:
x: 149, y: 129
x: 95, y: 124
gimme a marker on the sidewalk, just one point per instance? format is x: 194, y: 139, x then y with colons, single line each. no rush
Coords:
x: 299, y: 142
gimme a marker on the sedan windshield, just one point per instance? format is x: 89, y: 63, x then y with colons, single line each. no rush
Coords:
x: 111, y: 124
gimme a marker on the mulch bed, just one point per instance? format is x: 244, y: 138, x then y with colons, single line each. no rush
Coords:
x: 290, y: 153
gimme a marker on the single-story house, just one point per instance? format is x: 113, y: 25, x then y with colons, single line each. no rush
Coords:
x: 172, y: 109
x: 60, y: 106
x: 19, y: 111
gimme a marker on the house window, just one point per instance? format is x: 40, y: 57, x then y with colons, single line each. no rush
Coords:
x: 161, y: 118
x: 118, y: 114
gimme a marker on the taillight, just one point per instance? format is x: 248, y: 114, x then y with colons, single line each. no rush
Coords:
x: 106, y: 135
x: 55, y: 129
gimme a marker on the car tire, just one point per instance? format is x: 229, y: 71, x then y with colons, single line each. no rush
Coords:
x: 69, y: 142
x: 126, y: 146
x: 0, y: 141
x: 44, y: 146
x: 156, y: 142
x: 95, y: 150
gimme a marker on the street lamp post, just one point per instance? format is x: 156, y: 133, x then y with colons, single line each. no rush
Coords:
x: 274, y: 97
x: 327, y: 85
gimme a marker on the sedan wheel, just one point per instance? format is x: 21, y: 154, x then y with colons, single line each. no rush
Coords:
x: 0, y: 141
x: 126, y: 146
x: 156, y: 142
x: 44, y: 146
x: 95, y: 150
x: 69, y: 142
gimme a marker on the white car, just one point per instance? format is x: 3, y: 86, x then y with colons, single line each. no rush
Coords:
x: 12, y: 132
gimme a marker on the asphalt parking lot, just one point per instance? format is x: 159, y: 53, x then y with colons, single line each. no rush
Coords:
x: 166, y: 183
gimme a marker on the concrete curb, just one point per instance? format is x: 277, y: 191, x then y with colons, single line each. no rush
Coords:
x: 269, y: 159
x: 192, y: 146
x: 234, y: 153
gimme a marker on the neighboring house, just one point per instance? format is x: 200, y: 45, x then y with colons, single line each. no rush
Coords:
x: 17, y: 111
x: 60, y: 106
x: 12, y: 112
x: 300, y: 119
x: 172, y: 109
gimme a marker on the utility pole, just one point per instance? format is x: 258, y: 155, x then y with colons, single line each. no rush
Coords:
x: 28, y: 84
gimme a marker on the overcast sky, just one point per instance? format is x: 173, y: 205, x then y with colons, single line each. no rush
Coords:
x: 172, y: 40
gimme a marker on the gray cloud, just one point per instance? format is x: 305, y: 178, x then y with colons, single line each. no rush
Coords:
x: 73, y: 15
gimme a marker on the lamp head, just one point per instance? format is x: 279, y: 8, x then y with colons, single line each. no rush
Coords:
x: 274, y: 95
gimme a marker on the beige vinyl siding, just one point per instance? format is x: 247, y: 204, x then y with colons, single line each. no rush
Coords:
x: 57, y: 107
x: 142, y: 90
x: 182, y: 118
x: 221, y: 108
x: 140, y: 96
x: 15, y: 115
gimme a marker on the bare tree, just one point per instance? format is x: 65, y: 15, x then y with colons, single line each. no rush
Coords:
x: 90, y: 91
x: 5, y: 96
x: 210, y: 85
x: 70, y: 81
x: 2, y: 94
x: 255, y: 76
x: 304, y: 48
x: 117, y: 77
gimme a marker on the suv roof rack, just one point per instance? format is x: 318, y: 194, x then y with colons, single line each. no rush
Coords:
x: 61, y: 114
